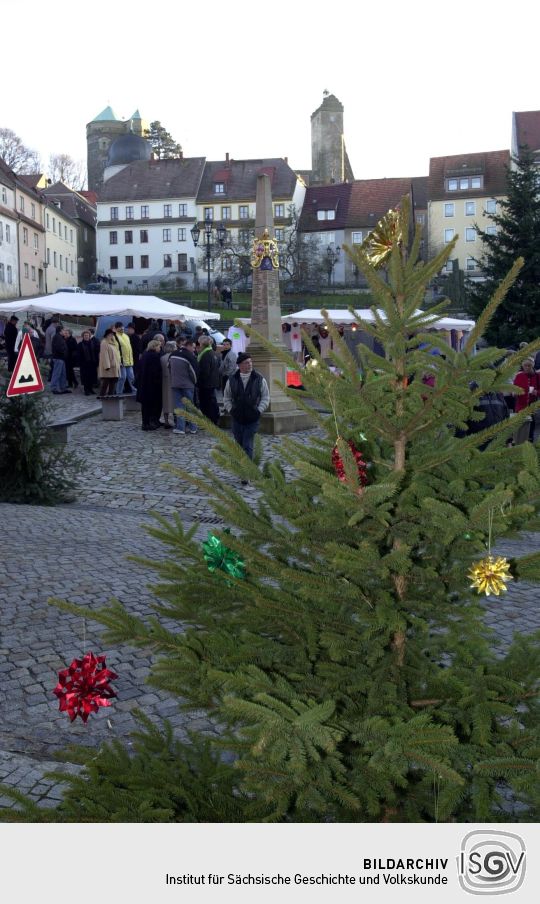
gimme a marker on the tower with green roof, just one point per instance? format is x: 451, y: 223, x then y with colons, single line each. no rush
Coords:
x: 100, y: 134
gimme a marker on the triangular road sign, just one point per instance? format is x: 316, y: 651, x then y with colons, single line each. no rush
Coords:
x: 26, y: 376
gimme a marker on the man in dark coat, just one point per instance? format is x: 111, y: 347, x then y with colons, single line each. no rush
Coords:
x: 149, y: 377
x: 10, y: 337
x: 246, y: 397
x: 136, y: 344
x: 72, y: 359
x: 209, y: 379
x: 59, y: 351
x: 88, y: 358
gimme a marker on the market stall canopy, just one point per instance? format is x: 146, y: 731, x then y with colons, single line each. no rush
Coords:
x: 342, y: 317
x: 88, y: 305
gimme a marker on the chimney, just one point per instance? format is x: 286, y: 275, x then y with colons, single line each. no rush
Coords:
x: 286, y: 159
x: 227, y: 158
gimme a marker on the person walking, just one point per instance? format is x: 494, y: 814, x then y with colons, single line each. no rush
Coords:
x: 88, y: 357
x: 59, y: 352
x: 227, y: 365
x: 10, y: 338
x: 167, y: 403
x: 246, y: 397
x: 209, y: 379
x: 183, y: 368
x: 72, y: 359
x: 109, y: 364
x: 126, y: 358
x: 529, y: 381
x: 149, y: 392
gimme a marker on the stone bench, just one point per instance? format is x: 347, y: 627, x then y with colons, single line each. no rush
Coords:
x: 59, y: 430
x: 114, y: 407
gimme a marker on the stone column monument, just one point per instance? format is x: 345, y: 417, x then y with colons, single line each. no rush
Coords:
x: 282, y: 415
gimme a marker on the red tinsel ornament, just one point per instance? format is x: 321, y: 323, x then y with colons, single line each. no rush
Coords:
x: 339, y: 467
x: 84, y: 686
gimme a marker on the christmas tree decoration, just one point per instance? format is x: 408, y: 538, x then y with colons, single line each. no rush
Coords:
x: 339, y: 466
x: 84, y: 686
x: 378, y: 245
x: 220, y: 558
x: 489, y: 575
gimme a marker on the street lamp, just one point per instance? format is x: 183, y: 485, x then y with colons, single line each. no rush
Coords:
x: 221, y: 232
x: 332, y: 256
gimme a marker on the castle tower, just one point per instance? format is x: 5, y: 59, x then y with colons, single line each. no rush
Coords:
x: 100, y: 134
x: 329, y: 160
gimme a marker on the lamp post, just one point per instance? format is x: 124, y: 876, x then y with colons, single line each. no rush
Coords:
x: 332, y: 256
x: 221, y: 232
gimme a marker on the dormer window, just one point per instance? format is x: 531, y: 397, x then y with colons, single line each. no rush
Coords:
x: 464, y: 183
x: 326, y: 215
x: 219, y: 188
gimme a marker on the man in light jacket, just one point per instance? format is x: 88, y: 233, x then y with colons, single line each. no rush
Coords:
x: 183, y: 369
x: 126, y: 358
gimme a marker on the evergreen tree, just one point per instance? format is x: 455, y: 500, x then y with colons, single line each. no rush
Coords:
x: 163, y: 144
x: 517, y: 318
x: 33, y: 467
x: 349, y: 670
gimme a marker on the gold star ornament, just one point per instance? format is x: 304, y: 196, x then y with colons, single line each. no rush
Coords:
x: 378, y: 245
x: 490, y: 575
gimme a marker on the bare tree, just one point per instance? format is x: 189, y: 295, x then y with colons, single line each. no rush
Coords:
x: 15, y: 153
x: 63, y: 168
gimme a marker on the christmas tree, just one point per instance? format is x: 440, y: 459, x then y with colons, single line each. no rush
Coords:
x: 333, y: 635
x: 517, y: 234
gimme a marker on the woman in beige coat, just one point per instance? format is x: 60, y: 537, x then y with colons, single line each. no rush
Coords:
x: 167, y: 405
x: 109, y: 364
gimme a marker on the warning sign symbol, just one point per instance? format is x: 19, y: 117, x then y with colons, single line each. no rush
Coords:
x: 26, y: 376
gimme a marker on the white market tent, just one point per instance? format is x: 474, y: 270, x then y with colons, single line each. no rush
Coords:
x: 341, y: 317
x: 88, y: 305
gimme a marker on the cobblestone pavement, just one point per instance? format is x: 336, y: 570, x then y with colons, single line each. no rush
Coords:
x: 78, y: 552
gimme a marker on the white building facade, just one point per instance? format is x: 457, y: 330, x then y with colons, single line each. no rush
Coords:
x: 9, y: 254
x: 61, y: 248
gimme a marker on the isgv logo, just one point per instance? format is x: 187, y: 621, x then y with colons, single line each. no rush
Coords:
x: 491, y: 863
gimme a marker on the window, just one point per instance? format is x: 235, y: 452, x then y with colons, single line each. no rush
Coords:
x: 114, y: 213
x: 208, y: 213
x: 226, y: 264
x: 26, y: 271
x: 71, y: 236
x: 327, y: 238
x: 451, y: 185
x: 326, y: 215
x: 60, y: 261
x: 182, y: 210
x: 1, y: 231
x: 219, y: 188
x: 182, y: 234
x: 167, y: 210
x: 145, y: 262
x: 129, y: 212
x: 2, y: 275
x: 54, y: 224
x: 449, y: 209
x: 182, y: 263
x: 48, y: 255
x: 225, y: 213
x: 36, y: 242
x: 470, y: 208
x: 463, y: 184
x: 113, y: 263
x: 243, y: 212
x: 47, y: 220
x: 85, y: 234
x: 491, y: 230
x: 167, y: 235
x: 113, y: 238
x: 470, y: 234
x: 4, y: 195
x: 279, y: 234
x: 357, y: 238
x: 244, y: 236
x: 21, y: 204
x: 33, y: 211
x: 476, y: 182
x: 471, y: 264
x: 167, y: 260
x: 65, y: 232
x: 72, y: 268
x: 143, y: 236
x: 54, y: 259
x: 129, y: 262
x: 279, y: 210
x: 128, y: 237
x: 34, y: 273
x: 145, y: 211
x: 448, y: 235
x: 25, y: 235
x: 9, y: 272
x: 449, y: 266
x: 8, y: 234
x: 491, y: 206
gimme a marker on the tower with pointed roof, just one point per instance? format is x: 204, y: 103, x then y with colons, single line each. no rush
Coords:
x: 329, y: 160
x: 100, y: 134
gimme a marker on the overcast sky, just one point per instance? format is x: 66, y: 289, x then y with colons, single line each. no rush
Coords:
x: 416, y: 79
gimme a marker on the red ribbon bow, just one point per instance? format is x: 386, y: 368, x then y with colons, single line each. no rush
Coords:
x: 84, y: 686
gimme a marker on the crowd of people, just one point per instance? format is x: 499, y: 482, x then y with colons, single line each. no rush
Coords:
x: 163, y: 370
